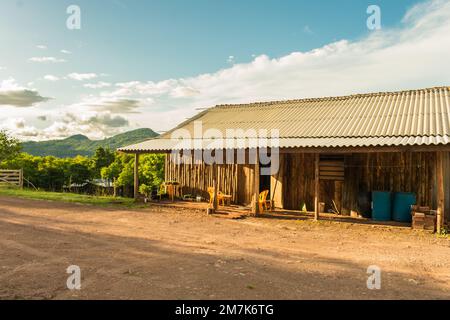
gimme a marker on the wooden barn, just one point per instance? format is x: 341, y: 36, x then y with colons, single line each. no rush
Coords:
x: 332, y: 150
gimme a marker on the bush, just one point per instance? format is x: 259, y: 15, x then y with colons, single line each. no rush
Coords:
x: 145, y: 190
x: 52, y: 173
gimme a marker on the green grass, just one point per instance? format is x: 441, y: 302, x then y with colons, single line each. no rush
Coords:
x: 67, y: 197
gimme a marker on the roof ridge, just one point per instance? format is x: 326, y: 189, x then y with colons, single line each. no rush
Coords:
x: 356, y: 95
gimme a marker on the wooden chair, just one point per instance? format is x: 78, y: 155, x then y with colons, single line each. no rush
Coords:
x: 221, y: 197
x: 162, y: 193
x: 264, y: 204
x: 211, y: 195
x: 226, y: 198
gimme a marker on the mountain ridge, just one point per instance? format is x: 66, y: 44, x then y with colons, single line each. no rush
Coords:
x: 81, y: 145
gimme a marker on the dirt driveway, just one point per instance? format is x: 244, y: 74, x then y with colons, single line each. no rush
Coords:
x: 162, y: 253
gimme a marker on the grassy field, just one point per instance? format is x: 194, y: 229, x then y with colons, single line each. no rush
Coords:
x: 67, y: 197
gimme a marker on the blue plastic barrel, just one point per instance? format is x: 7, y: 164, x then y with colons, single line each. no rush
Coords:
x: 381, y: 206
x: 401, y: 208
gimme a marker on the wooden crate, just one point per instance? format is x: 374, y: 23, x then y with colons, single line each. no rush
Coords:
x: 423, y: 219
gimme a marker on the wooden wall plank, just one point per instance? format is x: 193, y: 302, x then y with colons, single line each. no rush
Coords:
x: 363, y: 172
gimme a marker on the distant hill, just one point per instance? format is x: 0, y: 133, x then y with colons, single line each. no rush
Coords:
x: 82, y: 145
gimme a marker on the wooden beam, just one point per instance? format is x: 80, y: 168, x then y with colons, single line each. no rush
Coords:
x: 21, y: 179
x: 334, y: 150
x: 255, y: 200
x: 440, y: 190
x: 346, y: 150
x: 136, y: 176
x: 316, y: 186
x: 214, y: 177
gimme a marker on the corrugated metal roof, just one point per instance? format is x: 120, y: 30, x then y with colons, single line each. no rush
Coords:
x: 415, y: 117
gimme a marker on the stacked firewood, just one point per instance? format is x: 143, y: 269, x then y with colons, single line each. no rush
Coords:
x: 423, y: 218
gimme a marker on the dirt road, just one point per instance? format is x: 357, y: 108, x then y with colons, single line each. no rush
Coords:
x: 158, y: 253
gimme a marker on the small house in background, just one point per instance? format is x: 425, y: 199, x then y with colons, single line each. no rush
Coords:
x: 99, y: 187
x: 334, y: 150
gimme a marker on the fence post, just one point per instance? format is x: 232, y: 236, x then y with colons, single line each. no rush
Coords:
x: 21, y: 178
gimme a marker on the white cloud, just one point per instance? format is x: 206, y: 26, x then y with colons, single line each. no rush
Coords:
x: 116, y: 105
x: 41, y: 46
x: 230, y: 60
x: 82, y: 76
x: 10, y: 85
x: 66, y: 51
x: 19, y: 128
x: 18, y: 122
x: 96, y: 125
x: 107, y: 120
x: 413, y: 55
x: 98, y: 85
x: 14, y: 95
x: 184, y: 92
x: 46, y: 60
x: 50, y: 77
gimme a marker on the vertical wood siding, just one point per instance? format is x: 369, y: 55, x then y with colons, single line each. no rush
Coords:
x: 364, y: 172
x: 195, y: 178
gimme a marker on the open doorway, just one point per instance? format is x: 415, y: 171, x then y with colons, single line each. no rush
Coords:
x: 264, y: 180
x: 332, y: 173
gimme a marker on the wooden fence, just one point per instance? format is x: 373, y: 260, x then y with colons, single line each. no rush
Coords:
x: 11, y: 178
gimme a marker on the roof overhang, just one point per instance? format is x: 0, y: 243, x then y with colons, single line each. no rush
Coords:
x: 159, y: 145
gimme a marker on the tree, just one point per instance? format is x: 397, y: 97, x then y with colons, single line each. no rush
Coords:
x: 126, y: 177
x: 52, y: 173
x: 112, y: 173
x: 151, y: 169
x: 102, y: 158
x: 9, y: 147
x: 145, y: 190
x: 79, y: 169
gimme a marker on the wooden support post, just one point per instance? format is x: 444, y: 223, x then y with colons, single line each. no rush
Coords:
x: 214, y: 176
x: 255, y: 200
x: 21, y: 178
x: 316, y: 186
x: 136, y: 176
x: 440, y: 190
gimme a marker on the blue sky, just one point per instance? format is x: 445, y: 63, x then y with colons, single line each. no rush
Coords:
x: 151, y: 63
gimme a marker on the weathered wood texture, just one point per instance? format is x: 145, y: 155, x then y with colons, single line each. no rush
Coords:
x: 298, y: 181
x: 316, y: 186
x: 246, y: 186
x: 446, y: 160
x: 256, y: 183
x: 277, y: 186
x: 11, y: 177
x: 195, y: 178
x: 397, y: 172
x: 365, y: 172
x: 136, y: 176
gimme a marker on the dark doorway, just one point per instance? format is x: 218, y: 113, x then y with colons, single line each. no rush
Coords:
x: 264, y: 180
